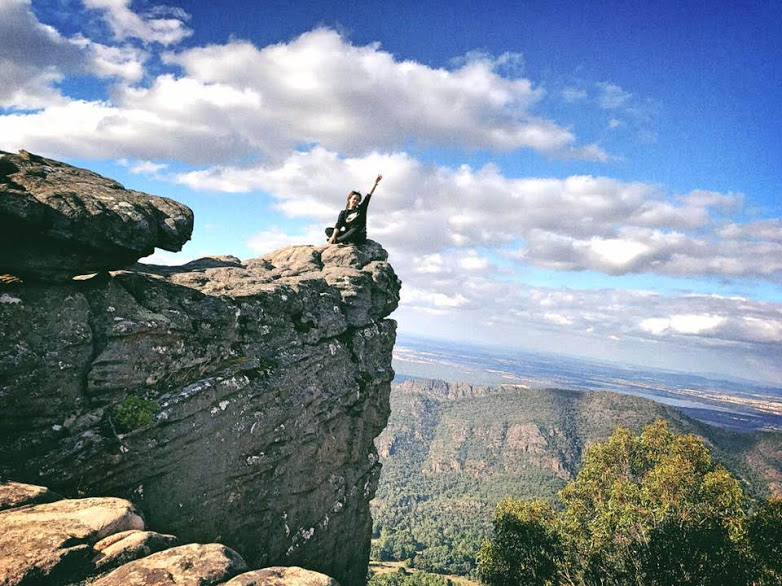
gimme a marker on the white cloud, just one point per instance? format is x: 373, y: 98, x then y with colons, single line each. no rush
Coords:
x: 557, y: 318
x: 236, y: 100
x: 34, y: 58
x: 576, y: 223
x: 613, y: 97
x: 694, y: 321
x: 428, y: 264
x: 126, y: 63
x: 573, y: 95
x: 145, y: 167
x: 160, y: 25
x: 760, y: 230
x: 275, y: 238
x: 428, y: 300
x: 472, y: 261
x: 692, y: 324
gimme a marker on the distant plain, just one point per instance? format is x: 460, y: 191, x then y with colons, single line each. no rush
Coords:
x: 735, y: 404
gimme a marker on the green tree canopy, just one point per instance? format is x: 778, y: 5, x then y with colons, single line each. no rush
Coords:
x: 764, y: 533
x: 526, y: 546
x: 630, y: 488
x: 646, y: 510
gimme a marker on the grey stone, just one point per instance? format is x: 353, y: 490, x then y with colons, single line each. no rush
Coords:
x: 58, y: 221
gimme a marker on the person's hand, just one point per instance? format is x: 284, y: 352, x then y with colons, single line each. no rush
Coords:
x: 379, y: 177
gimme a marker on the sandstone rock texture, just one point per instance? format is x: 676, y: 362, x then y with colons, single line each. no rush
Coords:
x: 50, y: 543
x: 100, y: 542
x: 58, y: 221
x: 186, y: 565
x: 281, y: 576
x: 231, y: 402
x: 16, y: 494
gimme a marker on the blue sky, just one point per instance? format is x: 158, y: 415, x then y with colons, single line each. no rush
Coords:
x: 599, y: 180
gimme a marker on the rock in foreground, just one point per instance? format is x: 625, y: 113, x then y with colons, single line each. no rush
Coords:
x: 58, y: 221
x: 282, y: 576
x: 52, y: 542
x: 82, y: 541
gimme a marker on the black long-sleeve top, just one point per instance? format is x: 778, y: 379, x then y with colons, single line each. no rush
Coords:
x: 352, y: 224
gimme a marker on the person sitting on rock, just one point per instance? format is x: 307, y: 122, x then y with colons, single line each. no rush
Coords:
x: 351, y: 226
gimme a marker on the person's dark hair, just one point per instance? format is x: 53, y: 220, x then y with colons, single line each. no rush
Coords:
x: 352, y: 193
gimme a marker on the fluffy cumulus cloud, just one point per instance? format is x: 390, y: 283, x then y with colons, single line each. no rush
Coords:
x: 572, y: 224
x: 34, y: 58
x: 235, y: 100
x: 723, y: 334
x: 460, y: 238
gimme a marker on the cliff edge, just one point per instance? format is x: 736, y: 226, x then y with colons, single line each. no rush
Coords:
x: 231, y: 402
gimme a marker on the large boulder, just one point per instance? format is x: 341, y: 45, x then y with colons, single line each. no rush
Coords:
x: 127, y: 546
x: 52, y: 543
x: 282, y: 576
x: 186, y: 565
x: 58, y: 221
x: 17, y: 494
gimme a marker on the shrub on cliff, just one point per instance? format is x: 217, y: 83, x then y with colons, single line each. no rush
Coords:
x: 652, y: 510
x: 133, y: 412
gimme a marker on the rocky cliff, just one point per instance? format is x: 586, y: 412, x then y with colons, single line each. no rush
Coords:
x: 234, y: 402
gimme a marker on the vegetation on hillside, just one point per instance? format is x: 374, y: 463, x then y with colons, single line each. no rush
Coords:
x: 402, y: 578
x: 648, y: 510
x: 447, y: 462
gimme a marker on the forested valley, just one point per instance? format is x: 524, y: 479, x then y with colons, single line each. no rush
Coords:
x: 453, y: 452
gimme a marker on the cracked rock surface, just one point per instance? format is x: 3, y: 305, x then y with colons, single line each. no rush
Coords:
x: 231, y: 402
x: 58, y: 221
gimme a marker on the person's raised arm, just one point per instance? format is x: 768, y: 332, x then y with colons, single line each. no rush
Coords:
x: 379, y: 177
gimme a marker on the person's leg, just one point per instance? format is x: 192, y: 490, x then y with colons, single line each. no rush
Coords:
x: 352, y: 237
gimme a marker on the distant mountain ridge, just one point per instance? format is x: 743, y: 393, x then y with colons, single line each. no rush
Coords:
x: 452, y: 450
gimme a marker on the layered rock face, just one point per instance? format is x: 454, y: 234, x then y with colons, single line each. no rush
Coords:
x: 57, y: 221
x: 231, y: 401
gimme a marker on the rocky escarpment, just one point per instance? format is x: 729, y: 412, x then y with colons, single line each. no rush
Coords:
x: 102, y: 542
x: 234, y: 402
